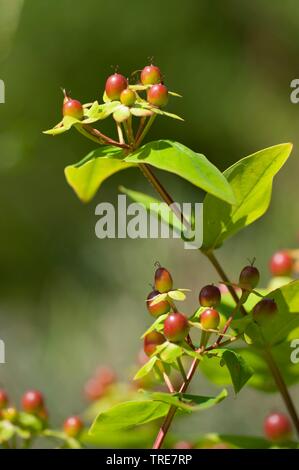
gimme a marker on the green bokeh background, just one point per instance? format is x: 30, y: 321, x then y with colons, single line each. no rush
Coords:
x: 68, y: 301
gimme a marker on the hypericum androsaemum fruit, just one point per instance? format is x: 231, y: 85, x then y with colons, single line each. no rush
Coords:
x: 150, y: 75
x: 3, y: 399
x: 151, y: 341
x: 115, y: 84
x: 10, y: 414
x: 209, y: 319
x: 128, y: 97
x: 163, y: 280
x: 72, y: 108
x: 32, y: 401
x: 176, y: 327
x: 158, y: 95
x: 210, y: 296
x: 264, y: 310
x: 73, y: 426
x: 249, y: 278
x: 277, y: 427
x: 160, y: 308
x: 281, y: 263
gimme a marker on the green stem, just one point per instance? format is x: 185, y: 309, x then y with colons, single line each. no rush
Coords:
x: 145, y: 130
x: 182, y: 370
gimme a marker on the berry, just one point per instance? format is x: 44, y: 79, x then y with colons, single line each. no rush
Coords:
x: 210, y: 296
x: 151, y: 341
x: 128, y: 97
x: 264, y: 309
x: 163, y: 280
x: 93, y: 389
x: 32, y: 401
x: 150, y: 75
x: 281, y: 264
x: 277, y: 427
x: 176, y: 327
x: 115, y: 84
x: 249, y: 278
x: 73, y: 426
x: 160, y: 308
x: 210, y: 319
x: 105, y: 375
x: 72, y: 108
x: 10, y: 414
x: 3, y: 399
x: 43, y: 414
x: 157, y: 95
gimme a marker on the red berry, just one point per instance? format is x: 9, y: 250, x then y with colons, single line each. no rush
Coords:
x: 160, y: 308
x: 249, y: 278
x: 73, y: 426
x: 93, y: 389
x: 115, y: 84
x: 150, y: 75
x: 264, y: 310
x: 163, y: 280
x: 209, y: 296
x: 3, y: 399
x: 277, y: 427
x: 281, y: 264
x: 210, y: 319
x: 128, y: 97
x: 151, y: 341
x: 176, y: 327
x: 105, y: 375
x: 32, y: 401
x: 157, y: 95
x: 72, y: 108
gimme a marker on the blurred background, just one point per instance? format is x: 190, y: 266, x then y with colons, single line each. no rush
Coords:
x: 68, y: 301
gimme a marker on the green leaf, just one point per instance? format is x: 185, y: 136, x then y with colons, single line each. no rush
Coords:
x: 239, y: 370
x: 171, y: 352
x: 251, y: 180
x: 7, y: 431
x: 29, y: 421
x: 146, y: 368
x: 87, y: 176
x: 157, y: 325
x: 129, y: 414
x: 180, y: 160
x: 187, y: 402
x: 177, y: 295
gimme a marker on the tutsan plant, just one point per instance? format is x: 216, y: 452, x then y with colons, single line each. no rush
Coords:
x: 239, y: 334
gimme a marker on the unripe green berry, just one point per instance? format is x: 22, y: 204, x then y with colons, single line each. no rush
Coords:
x: 210, y: 319
x: 176, y: 327
x: 150, y: 75
x: 10, y: 414
x: 163, y: 280
x: 210, y: 296
x: 249, y: 278
x: 115, y: 84
x: 157, y: 95
x: 128, y: 97
x: 73, y: 426
x: 277, y: 427
x: 151, y: 341
x: 264, y: 310
x: 159, y: 308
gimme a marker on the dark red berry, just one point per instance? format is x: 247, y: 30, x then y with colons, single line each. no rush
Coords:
x: 151, y: 341
x: 3, y: 399
x: 128, y: 97
x: 159, y: 308
x: 176, y: 327
x: 73, y: 426
x: 210, y: 296
x: 163, y: 280
x: 210, y: 319
x: 264, y: 310
x: 32, y: 401
x: 157, y: 95
x: 72, y: 108
x: 249, y: 278
x: 277, y: 427
x: 115, y: 84
x: 150, y: 75
x: 281, y: 263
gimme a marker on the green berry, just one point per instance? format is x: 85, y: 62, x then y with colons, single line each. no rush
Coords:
x: 163, y: 280
x: 128, y: 97
x: 150, y: 75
